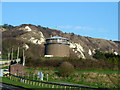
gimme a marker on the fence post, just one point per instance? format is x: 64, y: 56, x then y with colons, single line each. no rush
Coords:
x: 21, y: 80
x: 45, y: 85
x: 39, y: 83
x: 79, y: 88
x: 31, y: 82
x: 42, y: 84
x: 52, y: 86
x: 65, y: 87
x: 28, y: 81
x: 36, y: 83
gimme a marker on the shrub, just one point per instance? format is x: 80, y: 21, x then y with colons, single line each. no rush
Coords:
x: 99, y: 55
x: 65, y: 69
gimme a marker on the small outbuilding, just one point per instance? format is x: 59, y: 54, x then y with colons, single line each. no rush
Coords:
x: 16, y: 69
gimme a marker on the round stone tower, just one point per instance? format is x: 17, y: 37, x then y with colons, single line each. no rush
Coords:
x: 57, y: 47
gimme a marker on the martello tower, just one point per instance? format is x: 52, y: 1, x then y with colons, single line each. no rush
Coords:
x: 57, y: 47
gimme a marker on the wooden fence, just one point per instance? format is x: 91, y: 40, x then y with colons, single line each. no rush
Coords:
x: 44, y: 84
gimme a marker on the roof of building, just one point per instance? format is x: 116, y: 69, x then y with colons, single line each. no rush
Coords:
x: 58, y: 37
x: 16, y: 64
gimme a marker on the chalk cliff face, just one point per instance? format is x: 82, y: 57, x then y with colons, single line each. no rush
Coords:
x: 29, y: 36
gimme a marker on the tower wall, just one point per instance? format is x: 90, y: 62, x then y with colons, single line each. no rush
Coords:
x: 57, y: 50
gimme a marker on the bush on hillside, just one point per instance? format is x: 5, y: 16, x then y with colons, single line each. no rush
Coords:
x: 66, y: 69
x: 99, y: 55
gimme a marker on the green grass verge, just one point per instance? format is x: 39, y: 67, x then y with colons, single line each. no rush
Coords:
x: 99, y: 71
x: 80, y: 72
x: 18, y: 83
x: 66, y: 80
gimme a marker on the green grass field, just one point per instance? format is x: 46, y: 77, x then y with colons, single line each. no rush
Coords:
x: 79, y: 71
x: 99, y: 71
x: 92, y: 78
